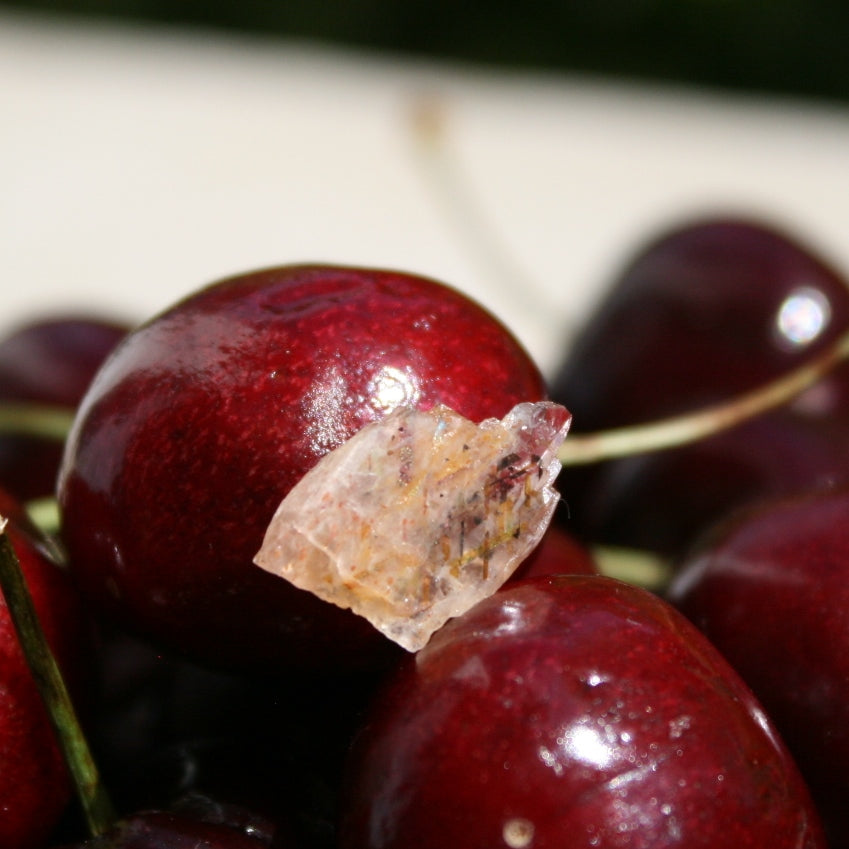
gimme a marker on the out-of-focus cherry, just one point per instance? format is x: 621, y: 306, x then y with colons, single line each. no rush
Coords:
x: 48, y: 361
x: 770, y: 588
x: 703, y: 313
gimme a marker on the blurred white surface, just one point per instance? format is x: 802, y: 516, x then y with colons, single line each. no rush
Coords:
x: 138, y: 164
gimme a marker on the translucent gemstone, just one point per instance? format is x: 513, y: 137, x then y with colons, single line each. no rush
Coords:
x: 420, y: 515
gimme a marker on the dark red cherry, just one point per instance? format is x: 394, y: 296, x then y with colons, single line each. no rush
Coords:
x: 205, y: 417
x: 47, y: 361
x: 571, y: 711
x: 770, y: 588
x: 701, y: 314
x: 34, y: 784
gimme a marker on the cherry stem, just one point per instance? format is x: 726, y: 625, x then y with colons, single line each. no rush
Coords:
x: 44, y: 513
x: 642, y: 568
x: 681, y: 430
x: 96, y: 805
x: 40, y: 420
x: 447, y: 178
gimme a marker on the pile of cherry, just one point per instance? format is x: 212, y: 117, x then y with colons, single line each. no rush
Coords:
x: 227, y: 709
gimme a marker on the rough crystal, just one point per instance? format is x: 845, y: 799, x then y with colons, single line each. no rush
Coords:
x: 420, y: 515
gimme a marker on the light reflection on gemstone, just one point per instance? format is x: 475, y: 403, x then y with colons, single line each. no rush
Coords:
x: 802, y: 316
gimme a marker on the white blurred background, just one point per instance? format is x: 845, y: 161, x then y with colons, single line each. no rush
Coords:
x: 138, y: 163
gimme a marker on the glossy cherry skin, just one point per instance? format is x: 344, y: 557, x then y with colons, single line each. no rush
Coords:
x: 701, y: 314
x: 571, y: 712
x: 34, y: 784
x: 206, y: 416
x: 49, y: 360
x: 770, y: 588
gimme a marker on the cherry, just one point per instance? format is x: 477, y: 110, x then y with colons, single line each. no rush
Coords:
x: 48, y: 361
x: 575, y: 711
x: 34, y: 784
x: 706, y: 311
x: 770, y: 588
x: 205, y: 417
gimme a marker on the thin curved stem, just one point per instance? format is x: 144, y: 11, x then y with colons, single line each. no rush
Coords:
x: 95, y: 802
x: 642, y: 568
x: 449, y: 183
x: 580, y: 449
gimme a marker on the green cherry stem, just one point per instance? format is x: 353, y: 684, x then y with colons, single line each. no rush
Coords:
x: 642, y: 568
x: 675, y: 431
x: 95, y: 802
x: 44, y: 513
x: 41, y: 420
